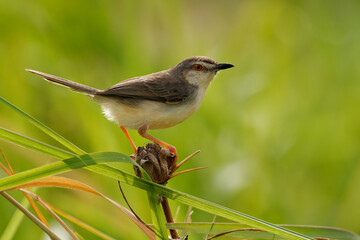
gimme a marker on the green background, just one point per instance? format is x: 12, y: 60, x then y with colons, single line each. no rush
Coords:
x: 280, y: 132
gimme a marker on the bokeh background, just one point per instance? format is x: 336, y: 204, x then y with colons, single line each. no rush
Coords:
x: 280, y: 132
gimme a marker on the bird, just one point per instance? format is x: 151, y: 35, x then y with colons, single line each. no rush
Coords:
x: 155, y: 101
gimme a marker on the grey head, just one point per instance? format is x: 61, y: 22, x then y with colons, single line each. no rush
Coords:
x: 199, y: 70
x: 173, y: 86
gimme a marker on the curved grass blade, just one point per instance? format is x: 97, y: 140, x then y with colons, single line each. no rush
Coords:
x: 243, y: 231
x: 324, y: 232
x: 36, y: 209
x: 34, y: 144
x: 82, y: 224
x: 60, y: 167
x: 61, y: 154
x: 45, y: 129
x: 56, y: 181
x: 58, y: 153
x: 52, y: 213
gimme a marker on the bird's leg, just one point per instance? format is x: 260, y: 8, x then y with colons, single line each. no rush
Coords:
x: 143, y: 132
x: 129, y: 138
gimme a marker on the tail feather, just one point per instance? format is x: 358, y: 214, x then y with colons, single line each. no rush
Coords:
x: 67, y: 83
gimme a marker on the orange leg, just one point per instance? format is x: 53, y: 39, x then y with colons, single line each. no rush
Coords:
x: 129, y: 138
x: 171, y: 148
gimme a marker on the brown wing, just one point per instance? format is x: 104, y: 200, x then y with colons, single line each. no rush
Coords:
x: 155, y: 87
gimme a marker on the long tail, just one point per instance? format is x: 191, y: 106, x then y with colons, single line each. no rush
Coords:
x: 67, y: 83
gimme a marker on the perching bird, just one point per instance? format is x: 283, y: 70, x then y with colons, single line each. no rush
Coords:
x: 155, y: 101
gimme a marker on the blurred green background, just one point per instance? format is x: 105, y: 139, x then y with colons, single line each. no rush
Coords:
x: 280, y: 132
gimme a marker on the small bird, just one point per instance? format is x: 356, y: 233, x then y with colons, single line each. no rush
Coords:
x: 155, y: 101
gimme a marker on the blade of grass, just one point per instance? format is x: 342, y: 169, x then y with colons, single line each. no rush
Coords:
x: 211, y: 227
x: 81, y: 223
x: 34, y: 144
x: 37, y: 210
x: 14, y: 223
x: 245, y: 232
x: 52, y: 213
x: 45, y: 129
x: 55, y: 181
x: 60, y: 167
x: 10, y: 171
x: 188, y: 220
x: 51, y: 234
x: 157, y: 216
x: 32, y: 203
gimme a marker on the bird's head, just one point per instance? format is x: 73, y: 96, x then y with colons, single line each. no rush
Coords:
x: 200, y: 71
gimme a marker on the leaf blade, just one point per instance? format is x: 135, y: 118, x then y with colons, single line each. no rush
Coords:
x: 157, y: 216
x: 61, y: 166
x: 45, y: 128
x: 245, y: 232
x: 33, y: 144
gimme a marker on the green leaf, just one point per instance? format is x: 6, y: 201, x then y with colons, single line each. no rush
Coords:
x: 34, y: 144
x: 246, y: 232
x: 157, y: 216
x: 45, y: 129
x: 48, y: 149
x: 325, y: 232
x: 60, y: 167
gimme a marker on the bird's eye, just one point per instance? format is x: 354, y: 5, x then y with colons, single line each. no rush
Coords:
x: 198, y: 67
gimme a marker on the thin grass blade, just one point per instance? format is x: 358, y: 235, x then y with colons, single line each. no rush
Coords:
x: 48, y: 231
x: 81, y: 224
x: 244, y: 232
x: 45, y: 129
x: 14, y: 223
x: 60, y: 167
x: 33, y: 144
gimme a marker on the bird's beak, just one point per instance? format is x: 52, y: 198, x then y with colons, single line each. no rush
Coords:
x: 221, y: 66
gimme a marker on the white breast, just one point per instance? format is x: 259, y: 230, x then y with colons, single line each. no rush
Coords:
x: 155, y: 115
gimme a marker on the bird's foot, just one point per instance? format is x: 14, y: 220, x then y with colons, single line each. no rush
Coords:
x: 170, y: 152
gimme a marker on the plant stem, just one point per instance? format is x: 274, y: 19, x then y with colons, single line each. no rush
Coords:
x: 166, y: 207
